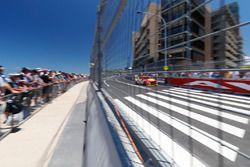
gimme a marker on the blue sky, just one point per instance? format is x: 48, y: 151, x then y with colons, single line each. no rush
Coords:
x: 56, y: 34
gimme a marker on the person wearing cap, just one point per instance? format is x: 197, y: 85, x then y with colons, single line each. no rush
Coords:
x: 14, y: 78
x: 37, y: 83
x: 27, y: 75
x: 4, y: 87
x: 47, y: 88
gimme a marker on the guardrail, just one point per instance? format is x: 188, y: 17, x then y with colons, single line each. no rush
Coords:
x: 18, y: 108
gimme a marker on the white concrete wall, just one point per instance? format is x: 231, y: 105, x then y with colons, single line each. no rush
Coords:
x: 100, y: 150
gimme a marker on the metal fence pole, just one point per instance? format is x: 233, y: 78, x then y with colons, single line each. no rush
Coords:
x: 99, y: 46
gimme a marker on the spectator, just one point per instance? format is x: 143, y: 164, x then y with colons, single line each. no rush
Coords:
x: 37, y: 84
x: 5, y: 88
x: 15, y: 81
x: 47, y: 89
x: 4, y: 85
x: 210, y: 74
x: 235, y: 75
x: 246, y: 76
x: 228, y: 75
x: 27, y: 75
x: 23, y: 89
x: 195, y: 75
x: 217, y: 75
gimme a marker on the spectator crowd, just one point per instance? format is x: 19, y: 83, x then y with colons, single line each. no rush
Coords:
x: 29, y: 89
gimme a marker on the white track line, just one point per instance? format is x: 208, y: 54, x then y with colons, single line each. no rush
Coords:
x: 179, y: 155
x: 235, y: 99
x: 218, y: 100
x: 203, y: 109
x: 201, y: 118
x: 241, y: 111
x: 105, y: 82
x: 214, y: 93
x: 230, y: 108
x: 191, y: 131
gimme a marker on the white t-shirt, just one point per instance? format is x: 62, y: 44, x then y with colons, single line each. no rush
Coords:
x: 247, y: 75
x: 236, y: 75
x: 2, y: 82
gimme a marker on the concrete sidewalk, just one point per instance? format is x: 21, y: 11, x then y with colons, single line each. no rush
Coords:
x: 69, y: 148
x: 33, y: 144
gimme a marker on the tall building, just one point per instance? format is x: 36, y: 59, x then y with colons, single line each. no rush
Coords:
x: 118, y: 22
x: 226, y: 46
x: 183, y: 27
x: 131, y: 39
x: 146, y: 40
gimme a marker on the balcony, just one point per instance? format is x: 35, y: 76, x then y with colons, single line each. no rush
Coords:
x: 198, y: 18
x: 230, y: 64
x: 230, y: 55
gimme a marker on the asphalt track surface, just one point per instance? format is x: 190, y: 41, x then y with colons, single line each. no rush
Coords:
x: 195, y: 128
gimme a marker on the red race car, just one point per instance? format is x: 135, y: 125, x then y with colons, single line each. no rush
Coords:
x: 145, y: 80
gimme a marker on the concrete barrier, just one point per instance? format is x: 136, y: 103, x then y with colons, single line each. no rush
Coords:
x: 106, y: 144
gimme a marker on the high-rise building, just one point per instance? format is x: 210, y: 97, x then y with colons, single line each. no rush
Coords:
x: 130, y: 39
x: 146, y: 40
x: 226, y: 46
x: 183, y: 26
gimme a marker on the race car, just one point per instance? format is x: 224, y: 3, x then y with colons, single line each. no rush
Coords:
x: 145, y: 80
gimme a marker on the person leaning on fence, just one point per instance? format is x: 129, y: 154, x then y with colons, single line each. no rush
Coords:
x: 5, y: 89
x: 2, y: 86
x: 20, y: 90
x: 47, y: 88
x: 27, y: 75
x: 246, y: 75
x: 37, y: 84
